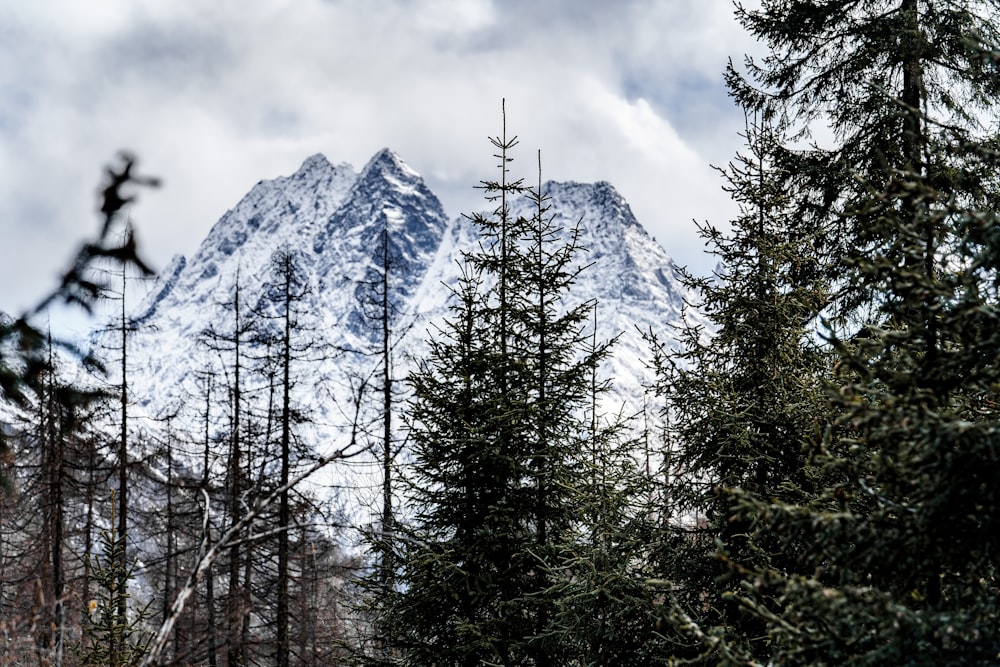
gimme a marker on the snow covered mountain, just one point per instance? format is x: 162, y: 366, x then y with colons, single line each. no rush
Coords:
x: 332, y: 219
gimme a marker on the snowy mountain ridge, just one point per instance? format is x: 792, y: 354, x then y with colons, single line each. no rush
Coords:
x: 333, y: 220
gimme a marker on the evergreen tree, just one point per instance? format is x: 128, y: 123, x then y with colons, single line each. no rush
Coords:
x: 891, y: 558
x: 605, y: 604
x: 496, y: 421
x: 115, y: 640
x: 904, y: 569
x: 745, y: 404
x: 884, y: 86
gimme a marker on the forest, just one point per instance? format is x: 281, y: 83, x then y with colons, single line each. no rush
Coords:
x: 817, y: 486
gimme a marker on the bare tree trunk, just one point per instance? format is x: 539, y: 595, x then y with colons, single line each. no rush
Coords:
x: 235, y: 604
x: 170, y: 560
x: 210, y: 578
x: 284, y: 514
x: 122, y: 528
x: 387, y: 455
x: 88, y: 535
x: 58, y: 530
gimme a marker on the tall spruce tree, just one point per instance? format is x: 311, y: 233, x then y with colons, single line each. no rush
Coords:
x: 892, y: 559
x: 555, y: 360
x: 497, y: 417
x: 903, y: 569
x: 745, y: 406
x: 605, y: 603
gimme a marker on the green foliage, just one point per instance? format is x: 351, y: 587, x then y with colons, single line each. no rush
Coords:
x: 911, y: 558
x: 109, y: 639
x: 606, y: 610
x: 498, y: 559
x: 745, y: 404
x: 868, y: 88
x: 872, y: 539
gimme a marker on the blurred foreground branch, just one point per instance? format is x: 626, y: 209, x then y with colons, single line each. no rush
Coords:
x: 24, y: 347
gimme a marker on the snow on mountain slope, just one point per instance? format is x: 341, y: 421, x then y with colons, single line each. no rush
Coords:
x: 630, y: 276
x: 274, y: 213
x: 387, y: 196
x: 334, y: 219
x: 191, y: 296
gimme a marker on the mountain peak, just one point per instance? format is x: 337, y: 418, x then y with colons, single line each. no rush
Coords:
x: 343, y: 223
x: 318, y: 170
x: 344, y: 227
x: 387, y: 164
x: 600, y: 198
x: 315, y: 162
x: 387, y: 195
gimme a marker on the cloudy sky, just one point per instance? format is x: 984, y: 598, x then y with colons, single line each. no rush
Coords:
x: 214, y: 96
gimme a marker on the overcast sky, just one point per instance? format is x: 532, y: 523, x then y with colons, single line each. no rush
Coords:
x: 214, y: 96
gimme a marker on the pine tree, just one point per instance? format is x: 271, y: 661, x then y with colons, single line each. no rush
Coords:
x: 893, y: 555
x: 745, y: 404
x: 604, y: 601
x: 908, y: 571
x: 557, y: 359
x: 115, y: 640
x: 891, y: 83
x: 496, y: 422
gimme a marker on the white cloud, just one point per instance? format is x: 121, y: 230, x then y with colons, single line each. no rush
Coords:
x: 215, y: 96
x: 454, y: 18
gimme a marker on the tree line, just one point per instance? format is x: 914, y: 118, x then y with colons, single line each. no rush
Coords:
x: 819, y: 487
